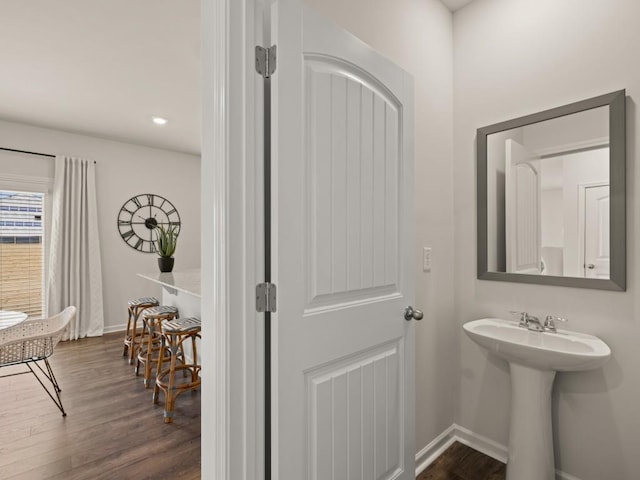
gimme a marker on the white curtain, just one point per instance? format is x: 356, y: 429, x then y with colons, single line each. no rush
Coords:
x: 75, y: 271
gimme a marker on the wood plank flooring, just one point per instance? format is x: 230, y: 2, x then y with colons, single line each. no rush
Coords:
x: 112, y: 429
x: 460, y: 462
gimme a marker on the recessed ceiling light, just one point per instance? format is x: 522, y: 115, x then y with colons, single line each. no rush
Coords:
x: 159, y: 120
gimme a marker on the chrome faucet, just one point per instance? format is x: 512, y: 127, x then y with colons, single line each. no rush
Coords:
x: 533, y: 323
x: 549, y: 323
x: 529, y: 322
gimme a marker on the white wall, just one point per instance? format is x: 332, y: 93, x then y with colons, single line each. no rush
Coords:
x: 570, y: 131
x: 551, y: 217
x: 122, y: 171
x: 512, y: 58
x: 417, y: 35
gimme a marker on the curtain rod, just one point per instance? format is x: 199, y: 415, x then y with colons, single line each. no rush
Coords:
x: 31, y: 153
x: 28, y: 153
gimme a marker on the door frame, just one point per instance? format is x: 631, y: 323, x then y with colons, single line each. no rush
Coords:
x: 231, y: 420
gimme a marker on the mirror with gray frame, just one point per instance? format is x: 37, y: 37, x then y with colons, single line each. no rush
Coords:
x: 551, y: 196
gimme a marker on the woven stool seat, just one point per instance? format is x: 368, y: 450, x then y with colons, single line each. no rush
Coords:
x: 133, y: 338
x: 150, y: 301
x: 152, y: 319
x: 174, y: 334
x: 182, y: 325
x: 159, y: 310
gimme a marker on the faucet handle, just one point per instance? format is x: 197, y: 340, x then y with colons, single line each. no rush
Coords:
x: 549, y: 323
x: 523, y: 317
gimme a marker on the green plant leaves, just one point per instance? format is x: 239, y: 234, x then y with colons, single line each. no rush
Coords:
x: 167, y: 240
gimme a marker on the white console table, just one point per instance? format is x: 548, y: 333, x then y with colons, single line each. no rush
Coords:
x: 180, y: 289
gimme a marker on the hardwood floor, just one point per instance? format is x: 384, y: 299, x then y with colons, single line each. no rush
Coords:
x: 112, y: 429
x: 460, y: 462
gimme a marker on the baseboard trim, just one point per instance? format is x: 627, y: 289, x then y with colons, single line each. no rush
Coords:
x: 564, y: 476
x: 456, y: 433
x: 481, y: 443
x: 433, y: 450
x: 115, y: 328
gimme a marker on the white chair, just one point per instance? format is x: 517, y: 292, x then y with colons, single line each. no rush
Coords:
x: 33, y: 341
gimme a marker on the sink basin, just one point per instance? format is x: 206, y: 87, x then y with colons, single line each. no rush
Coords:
x: 563, y: 351
x: 534, y: 358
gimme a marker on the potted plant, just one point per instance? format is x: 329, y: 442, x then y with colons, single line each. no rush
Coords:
x: 166, y: 246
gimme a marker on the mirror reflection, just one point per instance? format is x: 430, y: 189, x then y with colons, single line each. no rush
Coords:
x: 548, y: 197
x: 551, y: 199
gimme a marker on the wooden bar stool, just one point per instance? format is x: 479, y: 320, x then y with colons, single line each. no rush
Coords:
x: 174, y: 334
x: 152, y: 319
x: 132, y: 338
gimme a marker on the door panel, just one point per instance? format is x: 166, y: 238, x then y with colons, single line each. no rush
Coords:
x: 596, y: 232
x: 354, y: 411
x: 522, y: 206
x: 343, y: 355
x: 352, y: 150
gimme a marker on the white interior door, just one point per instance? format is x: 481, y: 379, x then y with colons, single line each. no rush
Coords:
x: 596, y: 232
x: 343, y: 354
x: 522, y: 207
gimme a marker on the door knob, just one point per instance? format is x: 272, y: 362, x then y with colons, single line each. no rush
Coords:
x: 411, y: 314
x: 591, y: 266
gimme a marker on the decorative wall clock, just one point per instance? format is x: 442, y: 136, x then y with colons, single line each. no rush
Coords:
x: 140, y: 215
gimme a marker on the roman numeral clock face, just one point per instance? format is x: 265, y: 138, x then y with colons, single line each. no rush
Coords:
x: 139, y: 216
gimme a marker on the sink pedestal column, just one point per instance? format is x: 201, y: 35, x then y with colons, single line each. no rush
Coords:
x: 530, y: 433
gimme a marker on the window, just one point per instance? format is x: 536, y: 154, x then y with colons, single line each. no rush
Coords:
x: 22, y: 252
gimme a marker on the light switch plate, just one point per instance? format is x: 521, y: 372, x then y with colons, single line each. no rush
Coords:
x: 426, y: 259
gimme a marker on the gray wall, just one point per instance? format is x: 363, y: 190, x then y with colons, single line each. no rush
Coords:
x: 511, y: 58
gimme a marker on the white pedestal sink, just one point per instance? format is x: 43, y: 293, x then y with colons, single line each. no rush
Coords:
x: 534, y: 358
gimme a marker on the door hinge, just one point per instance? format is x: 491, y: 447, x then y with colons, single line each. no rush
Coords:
x: 266, y: 297
x: 266, y: 60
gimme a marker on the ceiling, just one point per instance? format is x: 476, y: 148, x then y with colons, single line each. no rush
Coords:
x: 454, y: 5
x: 104, y: 68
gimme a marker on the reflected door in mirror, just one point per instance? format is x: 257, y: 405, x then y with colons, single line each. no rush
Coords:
x: 596, y: 231
x: 551, y: 196
x: 522, y: 206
